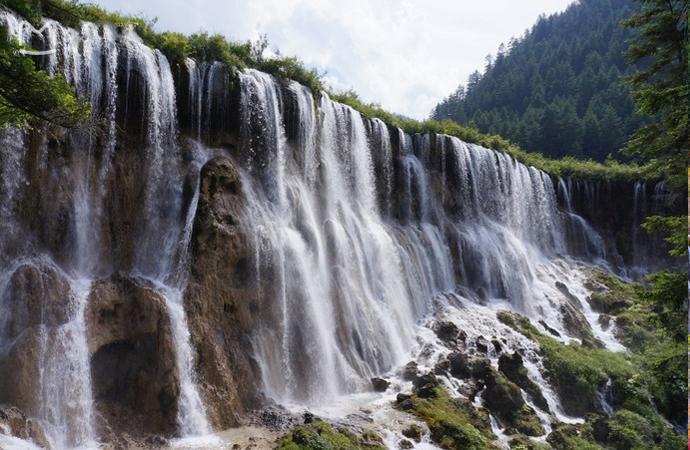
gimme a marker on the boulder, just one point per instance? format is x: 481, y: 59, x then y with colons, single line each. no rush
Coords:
x: 223, y: 302
x: 379, y: 384
x: 504, y: 399
x: 449, y: 333
x: 133, y: 368
x: 482, y: 345
x: 459, y: 365
x: 410, y: 371
x: 38, y: 301
x: 425, y: 386
x: 37, y: 294
x: 13, y: 422
x: 577, y: 325
x: 513, y: 368
x: 414, y: 432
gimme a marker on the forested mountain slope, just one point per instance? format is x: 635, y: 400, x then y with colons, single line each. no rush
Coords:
x: 557, y: 89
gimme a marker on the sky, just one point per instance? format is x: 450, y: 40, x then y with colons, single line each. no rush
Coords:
x: 405, y: 55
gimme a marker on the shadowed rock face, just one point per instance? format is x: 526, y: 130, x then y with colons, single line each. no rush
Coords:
x: 222, y: 305
x: 133, y: 371
x: 37, y: 302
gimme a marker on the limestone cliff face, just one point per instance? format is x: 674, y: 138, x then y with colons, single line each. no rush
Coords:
x: 222, y: 302
x: 101, y: 226
x: 134, y: 379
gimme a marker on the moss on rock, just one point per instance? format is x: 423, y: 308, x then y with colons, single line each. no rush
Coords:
x: 453, y: 423
x: 320, y: 435
x: 513, y: 368
x: 524, y: 443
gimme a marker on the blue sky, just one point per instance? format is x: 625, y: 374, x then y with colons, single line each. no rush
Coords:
x: 403, y: 54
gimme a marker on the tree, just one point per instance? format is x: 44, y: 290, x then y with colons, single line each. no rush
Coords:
x: 28, y: 94
x: 575, y: 56
x: 660, y: 89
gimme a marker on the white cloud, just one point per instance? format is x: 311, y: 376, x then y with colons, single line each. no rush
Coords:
x: 404, y: 54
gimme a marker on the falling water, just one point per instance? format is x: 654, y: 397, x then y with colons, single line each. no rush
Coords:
x: 89, y: 59
x: 359, y: 231
x: 353, y: 282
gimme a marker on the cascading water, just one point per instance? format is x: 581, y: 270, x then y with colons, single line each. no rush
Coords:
x: 352, y: 281
x: 359, y: 232
x: 90, y: 60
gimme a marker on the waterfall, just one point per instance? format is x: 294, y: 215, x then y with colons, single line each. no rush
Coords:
x: 358, y: 233
x: 353, y: 282
x: 90, y: 59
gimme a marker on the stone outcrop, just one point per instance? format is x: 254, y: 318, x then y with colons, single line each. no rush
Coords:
x: 13, y: 422
x: 133, y: 370
x: 36, y: 295
x: 223, y: 306
x: 37, y: 300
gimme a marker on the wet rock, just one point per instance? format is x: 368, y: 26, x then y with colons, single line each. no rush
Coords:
x: 605, y: 321
x: 273, y: 417
x: 14, y: 423
x: 459, y: 365
x: 577, y: 325
x: 406, y: 405
x: 425, y: 386
x: 156, y: 441
x: 551, y: 330
x: 414, y: 432
x: 442, y: 366
x: 37, y: 302
x: 379, y: 384
x: 308, y: 417
x: 133, y: 369
x: 481, y: 368
x: 402, y: 397
x: 470, y: 389
x: 405, y: 444
x: 449, y: 333
x: 504, y: 399
x: 498, y: 348
x: 574, y: 301
x: 482, y: 345
x: 513, y: 368
x: 410, y: 371
x: 223, y: 301
x: 36, y: 295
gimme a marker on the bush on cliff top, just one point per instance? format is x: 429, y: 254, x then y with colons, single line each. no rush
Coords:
x: 239, y: 55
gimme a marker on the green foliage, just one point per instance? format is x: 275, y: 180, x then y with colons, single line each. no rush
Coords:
x: 27, y: 93
x: 627, y: 430
x: 656, y: 334
x: 557, y: 89
x: 239, y: 55
x: 568, y: 166
x: 320, y: 435
x: 666, y: 294
x: 453, y: 426
x: 673, y: 227
x: 660, y: 86
x: 573, y: 437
